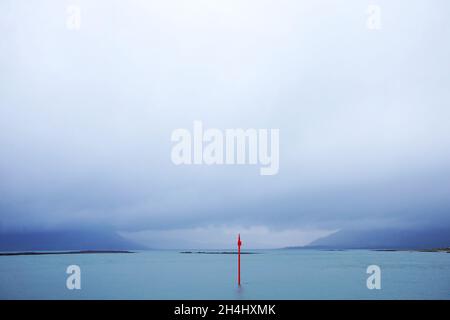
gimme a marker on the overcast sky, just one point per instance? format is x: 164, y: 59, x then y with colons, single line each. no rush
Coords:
x: 86, y: 117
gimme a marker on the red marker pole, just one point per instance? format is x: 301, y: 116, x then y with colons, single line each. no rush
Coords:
x: 239, y: 259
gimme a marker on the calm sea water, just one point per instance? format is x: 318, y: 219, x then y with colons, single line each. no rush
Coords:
x: 272, y: 274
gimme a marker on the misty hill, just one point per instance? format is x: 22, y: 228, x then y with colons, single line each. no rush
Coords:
x: 65, y: 240
x: 385, y: 239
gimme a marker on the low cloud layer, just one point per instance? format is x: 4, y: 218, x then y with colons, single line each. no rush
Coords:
x: 223, y: 237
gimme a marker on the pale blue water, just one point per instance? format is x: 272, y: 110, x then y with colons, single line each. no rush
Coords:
x: 273, y: 274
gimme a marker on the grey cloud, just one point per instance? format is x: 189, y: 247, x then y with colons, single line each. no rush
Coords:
x: 86, y: 117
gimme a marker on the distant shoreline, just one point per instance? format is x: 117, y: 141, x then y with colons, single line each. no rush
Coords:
x: 444, y: 250
x: 35, y: 253
x: 216, y: 252
x: 447, y: 250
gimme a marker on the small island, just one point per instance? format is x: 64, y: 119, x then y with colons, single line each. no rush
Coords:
x: 447, y: 250
x: 218, y: 252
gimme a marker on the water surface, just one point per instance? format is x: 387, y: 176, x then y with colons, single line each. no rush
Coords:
x: 272, y: 274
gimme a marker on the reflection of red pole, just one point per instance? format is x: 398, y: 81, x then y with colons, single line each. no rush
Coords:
x: 239, y: 259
